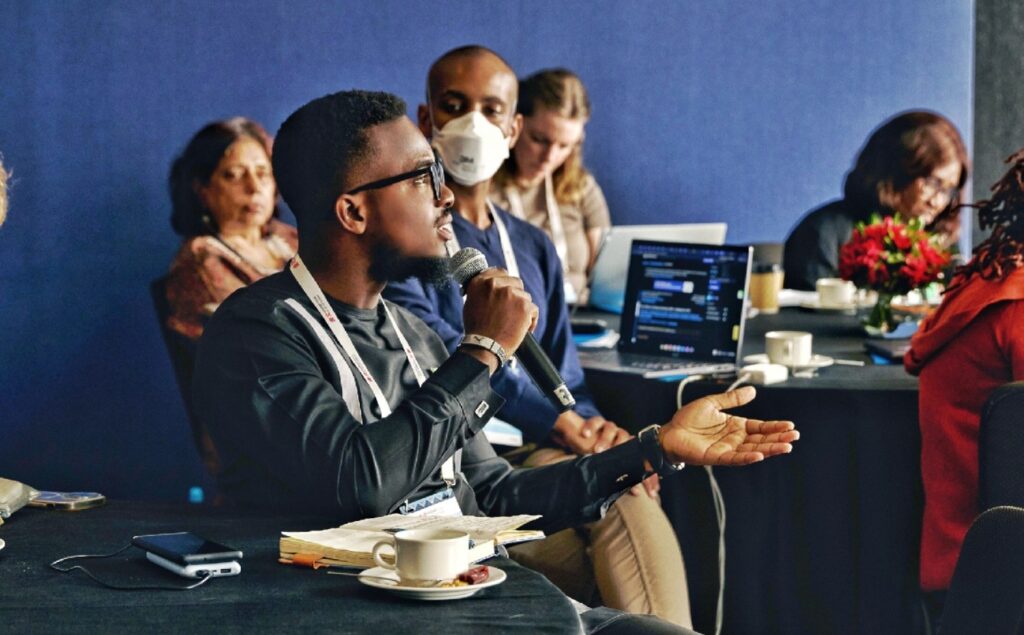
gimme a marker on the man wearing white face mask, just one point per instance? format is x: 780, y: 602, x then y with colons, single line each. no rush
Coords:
x: 632, y: 552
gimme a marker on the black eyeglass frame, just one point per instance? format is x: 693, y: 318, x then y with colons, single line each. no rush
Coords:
x: 435, y: 170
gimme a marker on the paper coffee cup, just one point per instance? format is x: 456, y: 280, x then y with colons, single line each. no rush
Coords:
x: 765, y: 284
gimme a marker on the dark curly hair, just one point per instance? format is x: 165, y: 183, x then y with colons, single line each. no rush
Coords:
x: 318, y: 145
x: 1003, y: 251
x: 196, y: 164
x: 908, y: 146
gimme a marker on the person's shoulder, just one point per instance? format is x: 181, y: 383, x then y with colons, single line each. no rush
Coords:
x: 284, y: 231
x: 198, y: 246
x: 261, y: 300
x: 590, y: 186
x: 522, y: 233
x: 834, y: 216
x: 831, y: 212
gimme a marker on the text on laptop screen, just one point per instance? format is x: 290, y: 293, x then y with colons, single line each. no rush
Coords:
x: 685, y: 300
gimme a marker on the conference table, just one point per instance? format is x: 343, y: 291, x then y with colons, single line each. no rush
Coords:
x: 267, y: 597
x: 824, y: 540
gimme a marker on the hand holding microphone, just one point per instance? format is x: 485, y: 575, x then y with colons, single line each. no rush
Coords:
x: 498, y: 307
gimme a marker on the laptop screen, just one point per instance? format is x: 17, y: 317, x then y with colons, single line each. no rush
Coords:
x: 608, y: 276
x: 685, y: 300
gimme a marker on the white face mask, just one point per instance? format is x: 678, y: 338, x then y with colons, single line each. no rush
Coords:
x: 471, y: 147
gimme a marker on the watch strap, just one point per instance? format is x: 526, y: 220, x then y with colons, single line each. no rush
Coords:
x: 651, y: 450
x: 488, y: 344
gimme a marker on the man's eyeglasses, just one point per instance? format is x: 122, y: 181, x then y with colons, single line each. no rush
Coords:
x: 435, y: 170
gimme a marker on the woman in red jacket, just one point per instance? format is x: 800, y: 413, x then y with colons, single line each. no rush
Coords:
x: 970, y: 346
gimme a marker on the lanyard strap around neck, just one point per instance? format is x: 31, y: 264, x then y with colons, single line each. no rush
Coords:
x: 554, y: 214
x: 319, y: 300
x: 511, y: 264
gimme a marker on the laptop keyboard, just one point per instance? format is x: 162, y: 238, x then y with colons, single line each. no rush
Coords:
x: 638, y: 361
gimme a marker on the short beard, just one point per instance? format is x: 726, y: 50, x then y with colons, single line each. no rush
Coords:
x: 387, y: 265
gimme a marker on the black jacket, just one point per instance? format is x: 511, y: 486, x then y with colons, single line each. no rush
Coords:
x: 273, y: 400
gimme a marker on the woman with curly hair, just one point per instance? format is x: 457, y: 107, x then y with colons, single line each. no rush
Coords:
x: 970, y: 346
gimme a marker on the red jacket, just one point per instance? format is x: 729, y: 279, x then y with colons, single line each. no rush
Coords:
x: 970, y: 346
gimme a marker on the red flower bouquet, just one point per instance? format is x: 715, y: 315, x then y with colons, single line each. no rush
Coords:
x: 892, y: 257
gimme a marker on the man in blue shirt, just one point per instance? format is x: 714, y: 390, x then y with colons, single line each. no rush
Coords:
x: 471, y: 120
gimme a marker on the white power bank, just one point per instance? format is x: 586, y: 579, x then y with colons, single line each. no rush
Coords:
x: 765, y: 374
x: 200, y: 570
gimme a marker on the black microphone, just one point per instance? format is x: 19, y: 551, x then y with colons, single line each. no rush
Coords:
x: 468, y: 262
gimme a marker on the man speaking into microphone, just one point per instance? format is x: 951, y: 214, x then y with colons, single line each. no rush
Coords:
x: 320, y: 397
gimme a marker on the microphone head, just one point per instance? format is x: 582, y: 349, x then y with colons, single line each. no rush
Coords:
x: 466, y: 263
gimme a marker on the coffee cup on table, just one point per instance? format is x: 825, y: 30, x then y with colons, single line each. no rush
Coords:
x: 789, y: 348
x: 426, y: 554
x: 835, y: 292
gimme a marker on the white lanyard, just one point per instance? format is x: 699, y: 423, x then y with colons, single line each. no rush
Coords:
x: 515, y: 204
x: 511, y: 264
x: 319, y: 300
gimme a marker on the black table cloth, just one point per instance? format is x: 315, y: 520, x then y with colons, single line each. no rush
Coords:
x: 824, y: 540
x: 267, y: 597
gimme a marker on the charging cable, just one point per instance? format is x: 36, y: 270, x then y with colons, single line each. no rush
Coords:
x: 717, y: 500
x: 204, y: 576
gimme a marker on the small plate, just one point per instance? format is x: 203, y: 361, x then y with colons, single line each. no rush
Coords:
x: 816, y: 361
x: 387, y: 579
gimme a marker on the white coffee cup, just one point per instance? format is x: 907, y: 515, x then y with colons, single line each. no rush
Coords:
x: 426, y: 554
x: 789, y: 348
x: 835, y: 292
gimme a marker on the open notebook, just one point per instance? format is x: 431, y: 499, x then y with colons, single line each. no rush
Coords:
x: 352, y: 543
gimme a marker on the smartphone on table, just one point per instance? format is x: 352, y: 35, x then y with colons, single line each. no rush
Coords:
x: 189, y: 555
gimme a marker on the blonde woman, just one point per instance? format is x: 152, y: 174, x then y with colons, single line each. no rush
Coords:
x: 544, y: 181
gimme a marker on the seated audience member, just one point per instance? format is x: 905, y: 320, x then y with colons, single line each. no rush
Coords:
x: 3, y: 193
x: 223, y: 196
x: 914, y: 164
x: 970, y: 346
x: 303, y: 426
x: 637, y: 564
x: 544, y: 182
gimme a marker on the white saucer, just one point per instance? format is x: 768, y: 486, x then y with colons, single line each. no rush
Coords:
x: 816, y: 361
x: 393, y: 584
x: 829, y: 308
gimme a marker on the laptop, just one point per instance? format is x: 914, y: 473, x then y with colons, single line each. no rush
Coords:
x: 608, y: 277
x: 684, y: 310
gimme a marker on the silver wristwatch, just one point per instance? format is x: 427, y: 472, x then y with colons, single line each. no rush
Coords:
x: 488, y: 344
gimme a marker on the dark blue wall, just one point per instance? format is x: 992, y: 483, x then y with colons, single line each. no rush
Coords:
x: 748, y: 112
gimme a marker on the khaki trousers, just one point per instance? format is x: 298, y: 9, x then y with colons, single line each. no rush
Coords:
x: 629, y: 560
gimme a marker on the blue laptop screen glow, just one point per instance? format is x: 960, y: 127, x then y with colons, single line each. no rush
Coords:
x: 685, y: 300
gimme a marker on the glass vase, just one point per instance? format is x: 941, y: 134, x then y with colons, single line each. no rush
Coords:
x: 881, y: 319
